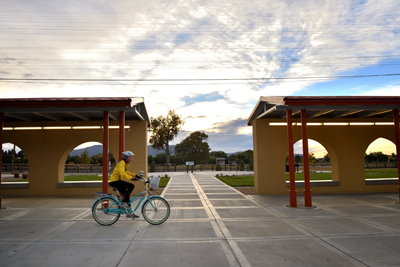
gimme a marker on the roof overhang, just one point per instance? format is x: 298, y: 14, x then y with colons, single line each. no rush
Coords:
x: 325, y: 107
x: 71, y: 109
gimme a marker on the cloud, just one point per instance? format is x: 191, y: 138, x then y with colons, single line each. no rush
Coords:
x: 390, y: 90
x: 208, y: 60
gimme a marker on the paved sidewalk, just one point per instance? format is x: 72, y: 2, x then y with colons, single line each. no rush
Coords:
x: 211, y: 224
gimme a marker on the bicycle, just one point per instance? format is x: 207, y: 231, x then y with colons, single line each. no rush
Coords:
x: 107, y: 208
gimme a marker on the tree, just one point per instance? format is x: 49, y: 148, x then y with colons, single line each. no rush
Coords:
x: 74, y: 159
x: 327, y: 158
x: 218, y: 154
x: 297, y: 158
x: 163, y: 130
x: 194, y: 147
x: 311, y: 158
x: 97, y: 159
x: 376, y: 157
x: 85, y: 158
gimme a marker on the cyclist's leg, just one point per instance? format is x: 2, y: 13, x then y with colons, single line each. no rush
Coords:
x: 128, y: 190
x: 124, y: 188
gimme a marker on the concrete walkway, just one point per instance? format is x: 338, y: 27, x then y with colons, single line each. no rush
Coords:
x: 211, y: 224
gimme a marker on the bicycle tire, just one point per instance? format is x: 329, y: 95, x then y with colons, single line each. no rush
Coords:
x: 155, y: 210
x: 100, y: 214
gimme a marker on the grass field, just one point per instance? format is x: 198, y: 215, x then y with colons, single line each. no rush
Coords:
x: 249, y: 180
x: 82, y: 178
x: 369, y: 174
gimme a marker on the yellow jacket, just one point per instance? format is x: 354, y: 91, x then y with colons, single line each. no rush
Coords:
x: 121, y: 172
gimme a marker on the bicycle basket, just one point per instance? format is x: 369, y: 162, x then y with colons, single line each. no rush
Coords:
x: 154, y: 182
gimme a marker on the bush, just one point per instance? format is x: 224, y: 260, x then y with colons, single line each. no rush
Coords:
x: 25, y: 175
x: 153, y: 166
x: 218, y: 167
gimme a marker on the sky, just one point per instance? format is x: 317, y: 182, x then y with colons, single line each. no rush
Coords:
x: 210, y: 61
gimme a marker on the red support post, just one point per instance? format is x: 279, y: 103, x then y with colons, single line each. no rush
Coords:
x: 397, y: 136
x: 1, y: 147
x: 307, y: 189
x: 105, y: 150
x: 121, y: 133
x: 292, y: 191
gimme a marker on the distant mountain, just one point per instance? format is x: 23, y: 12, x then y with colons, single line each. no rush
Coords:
x: 94, y: 150
x: 229, y: 154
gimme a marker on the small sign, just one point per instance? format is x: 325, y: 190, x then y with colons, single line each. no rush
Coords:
x: 221, y: 161
x: 189, y: 163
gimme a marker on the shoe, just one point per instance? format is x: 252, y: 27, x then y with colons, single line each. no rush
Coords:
x: 134, y: 215
x: 125, y: 205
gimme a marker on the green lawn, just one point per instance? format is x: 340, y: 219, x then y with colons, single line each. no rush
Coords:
x: 381, y: 173
x: 163, y: 181
x: 369, y: 174
x: 82, y: 178
x: 249, y: 180
x: 74, y: 178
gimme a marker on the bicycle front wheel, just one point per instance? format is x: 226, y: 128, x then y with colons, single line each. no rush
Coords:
x: 105, y: 211
x: 155, y: 210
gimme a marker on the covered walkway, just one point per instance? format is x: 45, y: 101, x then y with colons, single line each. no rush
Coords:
x: 48, y: 129
x: 345, y: 126
x: 211, y: 224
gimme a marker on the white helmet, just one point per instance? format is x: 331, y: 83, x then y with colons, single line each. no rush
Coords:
x: 127, y: 154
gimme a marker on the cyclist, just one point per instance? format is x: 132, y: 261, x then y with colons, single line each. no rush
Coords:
x: 120, y: 174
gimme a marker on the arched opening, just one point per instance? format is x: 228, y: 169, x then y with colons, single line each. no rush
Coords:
x: 15, y: 164
x: 85, y: 162
x: 318, y: 158
x: 380, y: 160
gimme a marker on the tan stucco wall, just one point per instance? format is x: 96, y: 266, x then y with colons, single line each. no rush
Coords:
x: 346, y: 146
x: 47, y: 151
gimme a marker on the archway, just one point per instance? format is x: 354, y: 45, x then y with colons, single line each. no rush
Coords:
x: 319, y: 160
x: 380, y: 159
x: 14, y: 162
x: 85, y: 162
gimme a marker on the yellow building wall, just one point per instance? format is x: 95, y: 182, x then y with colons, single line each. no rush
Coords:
x: 47, y: 151
x: 346, y: 146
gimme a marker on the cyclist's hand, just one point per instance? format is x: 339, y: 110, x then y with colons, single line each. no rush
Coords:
x: 136, y: 178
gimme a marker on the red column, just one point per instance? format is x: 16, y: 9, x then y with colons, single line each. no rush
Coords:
x: 1, y: 147
x: 397, y: 133
x: 121, y: 133
x: 105, y: 150
x: 307, y: 190
x: 292, y: 191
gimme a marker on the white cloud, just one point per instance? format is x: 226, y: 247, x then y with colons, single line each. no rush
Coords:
x: 390, y: 90
x: 174, y: 40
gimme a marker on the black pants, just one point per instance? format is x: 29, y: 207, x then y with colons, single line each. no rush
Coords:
x: 124, y: 188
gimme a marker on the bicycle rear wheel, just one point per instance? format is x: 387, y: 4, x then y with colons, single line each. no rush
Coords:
x: 105, y: 211
x: 155, y: 210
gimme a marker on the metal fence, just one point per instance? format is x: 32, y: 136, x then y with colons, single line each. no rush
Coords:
x: 200, y: 167
x: 76, y: 168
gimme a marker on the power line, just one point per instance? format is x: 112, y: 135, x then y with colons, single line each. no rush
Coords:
x: 196, y: 80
